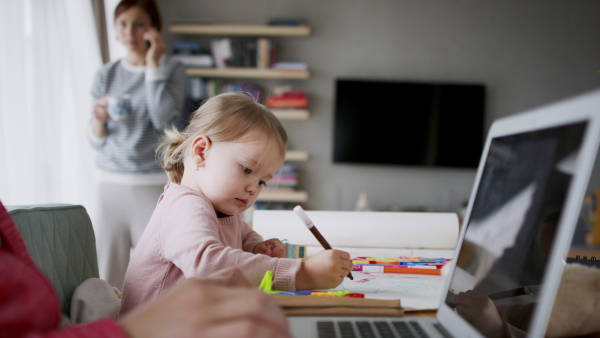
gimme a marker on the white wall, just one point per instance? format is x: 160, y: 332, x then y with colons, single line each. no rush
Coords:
x: 528, y: 53
x: 116, y: 50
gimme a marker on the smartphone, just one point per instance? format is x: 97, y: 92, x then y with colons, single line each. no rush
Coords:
x: 147, y: 43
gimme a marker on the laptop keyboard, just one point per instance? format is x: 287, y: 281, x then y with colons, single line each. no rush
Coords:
x: 368, y: 329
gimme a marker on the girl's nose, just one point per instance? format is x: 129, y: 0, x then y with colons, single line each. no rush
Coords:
x: 252, y: 188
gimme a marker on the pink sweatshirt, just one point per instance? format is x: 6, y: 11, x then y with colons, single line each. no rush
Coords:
x: 185, y: 238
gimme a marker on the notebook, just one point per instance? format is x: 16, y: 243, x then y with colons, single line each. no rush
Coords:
x: 521, y: 216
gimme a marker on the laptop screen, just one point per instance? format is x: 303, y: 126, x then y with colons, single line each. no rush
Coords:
x: 511, y: 227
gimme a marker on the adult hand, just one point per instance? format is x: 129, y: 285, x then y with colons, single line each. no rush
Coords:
x: 100, y: 113
x: 228, y: 277
x: 101, y: 110
x: 325, y: 270
x: 198, y: 308
x: 157, y: 47
x: 479, y: 310
x: 271, y: 247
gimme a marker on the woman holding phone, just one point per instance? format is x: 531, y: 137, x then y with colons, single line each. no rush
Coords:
x: 136, y: 98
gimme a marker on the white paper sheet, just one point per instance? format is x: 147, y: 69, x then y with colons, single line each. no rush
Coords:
x: 412, y: 230
x: 375, y: 234
x: 416, y: 292
x: 311, y: 250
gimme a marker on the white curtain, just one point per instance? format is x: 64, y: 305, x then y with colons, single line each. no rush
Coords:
x: 48, y: 56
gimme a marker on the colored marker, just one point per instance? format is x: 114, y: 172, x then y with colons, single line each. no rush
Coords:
x: 407, y: 264
x: 525, y: 290
x: 311, y: 226
x: 397, y: 269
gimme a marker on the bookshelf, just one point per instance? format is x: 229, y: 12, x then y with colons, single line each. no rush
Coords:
x: 288, y: 196
x: 240, y: 30
x: 258, y: 31
x: 248, y: 73
x: 296, y: 156
x: 291, y: 114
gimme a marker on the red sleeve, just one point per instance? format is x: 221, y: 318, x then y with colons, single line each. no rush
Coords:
x: 103, y: 328
x: 28, y: 304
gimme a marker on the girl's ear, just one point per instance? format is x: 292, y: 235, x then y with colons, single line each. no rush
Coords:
x: 200, y: 145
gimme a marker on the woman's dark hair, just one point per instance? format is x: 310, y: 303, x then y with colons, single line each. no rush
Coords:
x: 149, y: 6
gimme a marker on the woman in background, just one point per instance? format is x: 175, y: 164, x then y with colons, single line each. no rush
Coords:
x: 129, y: 181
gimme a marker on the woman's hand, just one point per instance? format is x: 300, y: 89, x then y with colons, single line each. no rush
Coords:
x: 157, y: 47
x: 228, y: 277
x: 100, y: 112
x: 325, y: 270
x: 271, y: 247
x: 198, y: 308
x: 479, y: 310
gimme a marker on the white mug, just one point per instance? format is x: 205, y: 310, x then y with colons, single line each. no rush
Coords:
x: 119, y: 107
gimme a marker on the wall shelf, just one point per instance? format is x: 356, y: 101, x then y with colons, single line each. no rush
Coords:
x: 296, y: 156
x: 275, y: 196
x: 291, y: 114
x: 240, y: 30
x: 267, y: 195
x: 248, y: 73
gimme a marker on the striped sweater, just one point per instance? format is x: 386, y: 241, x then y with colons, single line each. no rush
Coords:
x: 157, y: 97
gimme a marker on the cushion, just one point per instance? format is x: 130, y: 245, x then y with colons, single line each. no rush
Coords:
x: 93, y: 300
x: 61, y: 242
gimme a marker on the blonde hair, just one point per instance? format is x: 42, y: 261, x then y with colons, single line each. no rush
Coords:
x: 225, y: 117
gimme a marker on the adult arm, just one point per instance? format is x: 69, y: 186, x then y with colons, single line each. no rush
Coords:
x: 199, y: 308
x: 165, y: 92
x: 216, y: 307
x: 97, y: 131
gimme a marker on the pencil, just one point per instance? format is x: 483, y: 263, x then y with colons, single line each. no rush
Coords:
x: 525, y: 290
x: 311, y: 226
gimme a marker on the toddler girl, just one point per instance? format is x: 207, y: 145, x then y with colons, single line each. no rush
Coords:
x: 217, y: 167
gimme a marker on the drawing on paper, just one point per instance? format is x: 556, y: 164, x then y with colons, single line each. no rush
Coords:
x: 382, y: 283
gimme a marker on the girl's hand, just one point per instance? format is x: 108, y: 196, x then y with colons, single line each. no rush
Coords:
x: 325, y: 270
x: 157, y: 47
x: 271, y: 247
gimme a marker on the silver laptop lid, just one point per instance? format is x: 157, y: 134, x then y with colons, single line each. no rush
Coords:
x: 521, y: 216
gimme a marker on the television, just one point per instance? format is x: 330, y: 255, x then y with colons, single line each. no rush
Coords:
x: 408, y: 123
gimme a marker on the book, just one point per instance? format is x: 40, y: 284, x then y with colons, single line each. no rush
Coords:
x: 291, y: 98
x: 592, y: 261
x: 221, y: 51
x: 263, y: 53
x: 338, y: 306
x: 290, y: 65
x: 286, y: 22
x: 195, y: 60
x: 186, y: 48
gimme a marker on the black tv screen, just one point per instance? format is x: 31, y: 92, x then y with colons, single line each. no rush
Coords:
x: 408, y: 123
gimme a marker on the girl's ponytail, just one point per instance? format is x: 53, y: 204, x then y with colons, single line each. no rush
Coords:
x: 170, y: 154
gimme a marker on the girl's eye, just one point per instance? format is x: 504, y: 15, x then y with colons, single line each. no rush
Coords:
x: 247, y: 170
x: 262, y: 183
x: 139, y: 25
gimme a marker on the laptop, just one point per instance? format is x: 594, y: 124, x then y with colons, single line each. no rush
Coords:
x: 518, y: 227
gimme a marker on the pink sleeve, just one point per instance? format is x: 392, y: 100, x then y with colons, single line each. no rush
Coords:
x: 98, y: 329
x: 250, y: 238
x: 195, y: 241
